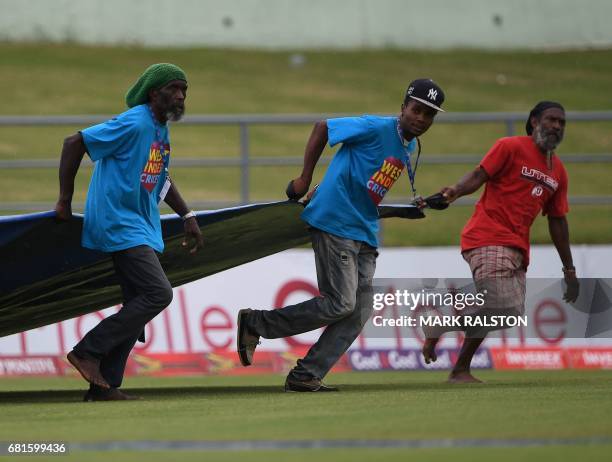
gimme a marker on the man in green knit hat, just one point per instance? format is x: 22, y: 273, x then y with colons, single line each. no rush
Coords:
x: 131, y: 153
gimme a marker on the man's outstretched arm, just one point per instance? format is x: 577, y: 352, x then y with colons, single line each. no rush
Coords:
x: 72, y: 154
x: 314, y: 147
x: 467, y: 185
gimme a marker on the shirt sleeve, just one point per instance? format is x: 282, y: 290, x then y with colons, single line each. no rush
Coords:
x: 497, y: 159
x: 109, y: 137
x: 348, y: 130
x: 557, y: 205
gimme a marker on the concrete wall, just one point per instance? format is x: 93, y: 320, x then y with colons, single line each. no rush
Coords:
x: 290, y: 24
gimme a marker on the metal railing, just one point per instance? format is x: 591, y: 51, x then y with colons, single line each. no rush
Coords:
x: 245, y: 161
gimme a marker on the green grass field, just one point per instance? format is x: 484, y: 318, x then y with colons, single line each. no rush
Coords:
x: 415, y: 406
x: 371, y: 406
x: 68, y: 79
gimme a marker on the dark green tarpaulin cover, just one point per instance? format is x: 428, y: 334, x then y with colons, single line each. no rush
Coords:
x: 46, y: 276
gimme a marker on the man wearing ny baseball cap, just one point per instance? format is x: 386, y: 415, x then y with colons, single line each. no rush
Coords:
x: 342, y: 217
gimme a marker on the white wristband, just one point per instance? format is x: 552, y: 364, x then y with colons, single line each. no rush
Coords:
x: 188, y: 215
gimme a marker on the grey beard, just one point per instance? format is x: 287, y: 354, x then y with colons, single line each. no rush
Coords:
x: 544, y: 141
x: 175, y: 114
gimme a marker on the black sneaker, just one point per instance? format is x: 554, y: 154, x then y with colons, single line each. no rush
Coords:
x: 246, y: 342
x: 293, y: 384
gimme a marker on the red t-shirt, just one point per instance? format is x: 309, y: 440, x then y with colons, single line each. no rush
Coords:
x: 520, y: 186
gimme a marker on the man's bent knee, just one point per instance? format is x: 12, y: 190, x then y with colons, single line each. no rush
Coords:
x: 161, y: 297
x: 341, y: 307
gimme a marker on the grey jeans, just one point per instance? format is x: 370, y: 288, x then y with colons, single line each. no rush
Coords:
x: 345, y: 269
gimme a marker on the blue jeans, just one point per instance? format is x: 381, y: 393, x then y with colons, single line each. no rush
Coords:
x: 345, y: 269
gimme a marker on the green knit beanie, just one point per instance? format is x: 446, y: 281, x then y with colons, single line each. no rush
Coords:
x: 156, y: 76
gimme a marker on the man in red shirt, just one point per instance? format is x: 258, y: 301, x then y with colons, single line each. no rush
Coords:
x: 523, y: 176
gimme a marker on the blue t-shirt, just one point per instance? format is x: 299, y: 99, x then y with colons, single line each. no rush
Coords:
x: 369, y: 162
x: 131, y: 154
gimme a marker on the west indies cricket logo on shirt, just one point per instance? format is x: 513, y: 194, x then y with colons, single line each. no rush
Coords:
x: 383, y: 178
x: 150, y: 174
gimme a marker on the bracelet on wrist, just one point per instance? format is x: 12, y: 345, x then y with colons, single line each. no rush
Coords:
x: 188, y: 215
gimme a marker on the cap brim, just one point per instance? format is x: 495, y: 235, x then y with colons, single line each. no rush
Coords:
x: 427, y: 103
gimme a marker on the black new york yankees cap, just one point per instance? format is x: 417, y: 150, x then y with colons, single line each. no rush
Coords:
x: 427, y: 92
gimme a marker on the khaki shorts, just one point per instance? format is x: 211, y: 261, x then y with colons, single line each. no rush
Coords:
x: 499, y: 270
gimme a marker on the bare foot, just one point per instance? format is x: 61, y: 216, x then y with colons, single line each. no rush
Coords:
x: 429, y: 350
x: 462, y: 377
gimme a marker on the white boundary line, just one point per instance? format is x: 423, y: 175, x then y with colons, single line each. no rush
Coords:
x: 250, y: 445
